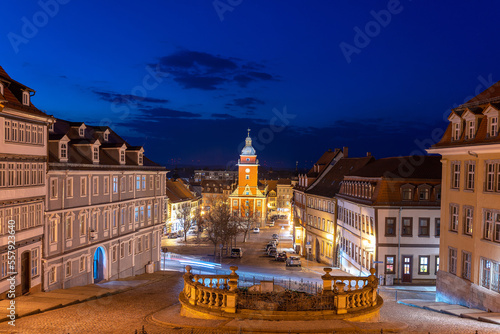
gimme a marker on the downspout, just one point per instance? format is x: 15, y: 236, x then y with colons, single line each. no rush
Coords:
x: 399, y: 246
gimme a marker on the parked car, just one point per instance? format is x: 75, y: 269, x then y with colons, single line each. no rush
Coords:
x: 293, y: 261
x: 192, y: 232
x: 272, y: 251
x: 281, y: 257
x: 236, y: 252
x: 172, y: 235
x: 256, y: 230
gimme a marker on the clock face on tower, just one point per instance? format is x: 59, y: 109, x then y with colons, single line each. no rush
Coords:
x: 247, y: 170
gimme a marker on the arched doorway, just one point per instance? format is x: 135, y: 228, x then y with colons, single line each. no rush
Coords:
x: 99, y: 264
x: 318, y: 259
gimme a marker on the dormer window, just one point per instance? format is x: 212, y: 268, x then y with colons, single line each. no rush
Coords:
x: 456, y: 131
x: 51, y: 127
x: 63, y: 151
x: 471, y: 129
x: 493, y: 128
x: 140, y: 158
x: 82, y: 132
x: 122, y: 156
x: 26, y: 98
x: 106, y: 136
x: 1, y: 88
x: 424, y: 193
x: 407, y: 192
x: 96, y: 153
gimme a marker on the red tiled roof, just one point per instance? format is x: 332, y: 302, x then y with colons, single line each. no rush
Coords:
x: 409, y: 167
x: 177, y: 192
x: 489, y: 94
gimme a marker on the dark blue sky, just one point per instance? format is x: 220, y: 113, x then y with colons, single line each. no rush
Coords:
x: 186, y: 78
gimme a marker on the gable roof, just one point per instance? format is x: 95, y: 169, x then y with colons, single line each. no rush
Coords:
x: 409, y: 167
x: 176, y: 191
x: 329, y: 184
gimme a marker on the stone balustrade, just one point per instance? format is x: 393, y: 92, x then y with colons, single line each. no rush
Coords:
x: 345, y: 294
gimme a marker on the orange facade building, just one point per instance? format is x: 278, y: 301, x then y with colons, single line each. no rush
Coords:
x: 249, y: 199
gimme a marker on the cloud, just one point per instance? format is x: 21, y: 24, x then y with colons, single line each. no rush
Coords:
x: 201, y: 70
x: 126, y: 98
x: 159, y: 113
x: 248, y: 103
x: 225, y: 116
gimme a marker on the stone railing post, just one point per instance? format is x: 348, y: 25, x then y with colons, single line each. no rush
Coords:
x: 340, y: 299
x: 327, y: 281
x: 191, y: 286
x: 373, y: 282
x: 233, y: 278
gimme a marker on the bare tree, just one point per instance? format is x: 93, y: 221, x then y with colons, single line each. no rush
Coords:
x: 199, y: 221
x: 246, y: 224
x: 218, y: 221
x: 185, y: 217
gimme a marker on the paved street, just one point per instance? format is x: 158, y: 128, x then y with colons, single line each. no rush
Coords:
x: 130, y: 310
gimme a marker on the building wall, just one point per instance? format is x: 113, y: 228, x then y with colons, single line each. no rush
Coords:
x: 415, y: 245
x: 481, y: 201
x: 22, y: 195
x: 125, y: 218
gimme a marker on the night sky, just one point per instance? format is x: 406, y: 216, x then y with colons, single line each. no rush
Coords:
x: 185, y: 79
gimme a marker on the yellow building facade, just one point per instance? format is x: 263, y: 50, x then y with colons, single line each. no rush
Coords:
x: 469, y: 272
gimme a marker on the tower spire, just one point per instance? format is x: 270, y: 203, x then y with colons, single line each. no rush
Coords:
x: 248, y: 132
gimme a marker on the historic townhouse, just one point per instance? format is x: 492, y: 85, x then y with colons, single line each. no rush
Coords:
x: 284, y: 194
x: 389, y: 211
x: 219, y: 175
x: 271, y: 195
x: 470, y: 238
x: 23, y: 162
x: 300, y: 218
x: 213, y: 189
x: 104, y: 207
x: 322, y: 208
x: 180, y: 199
x: 249, y: 198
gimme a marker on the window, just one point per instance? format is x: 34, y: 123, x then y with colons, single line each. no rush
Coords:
x: 497, y: 228
x: 40, y: 135
x: 28, y: 133
x: 235, y: 203
x: 493, y: 126
x: 95, y: 185
x: 137, y: 182
x: 130, y: 247
x: 471, y: 127
x: 82, y: 264
x: 407, y: 194
x: 140, y: 158
x: 26, y: 98
x: 490, y: 177
x: 424, y: 227
x: 452, y: 260
x: 454, y: 217
x: 423, y: 265
x: 105, y: 220
x: 35, y: 260
x: 1, y: 88
x: 488, y: 225
x: 69, y: 227
x: 469, y: 181
x: 407, y: 228
x: 455, y: 167
x: 437, y: 264
x: 81, y: 132
x: 122, y: 217
x: 146, y: 242
x: 96, y: 153
x: 69, y: 187
x: 466, y: 265
x: 423, y: 194
x: 106, y: 136
x: 7, y: 130
x: 142, y: 214
x: 63, y: 151
x: 390, y: 264
x: 490, y: 274
x: 136, y: 215
x: 456, y: 131
x: 68, y: 268
x: 247, y: 177
x: 83, y: 224
x: 390, y: 226
x: 106, y: 185
x: 52, y: 275
x: 149, y: 212
x: 122, y: 156
x: 143, y: 182
x: 14, y: 131
x: 53, y: 231
x: 5, y: 265
x: 114, y: 221
x: 437, y: 227
x: 469, y: 216
x: 114, y: 254
x: 83, y: 186
x: 122, y: 250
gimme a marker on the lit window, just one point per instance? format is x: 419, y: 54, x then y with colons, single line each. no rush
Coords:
x: 469, y: 216
x: 407, y: 194
x: 423, y: 267
x: 389, y: 264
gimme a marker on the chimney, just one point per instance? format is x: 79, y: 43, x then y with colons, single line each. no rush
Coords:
x: 368, y: 154
x: 345, y: 151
